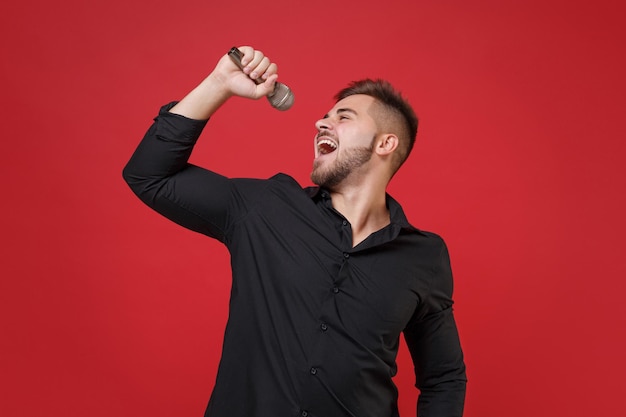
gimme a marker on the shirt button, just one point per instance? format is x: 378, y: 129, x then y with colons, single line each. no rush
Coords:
x: 304, y: 413
x: 324, y: 326
x: 345, y: 222
x: 335, y: 290
x: 313, y: 371
x: 346, y: 255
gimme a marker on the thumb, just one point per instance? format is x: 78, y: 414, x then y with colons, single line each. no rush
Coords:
x: 267, y: 87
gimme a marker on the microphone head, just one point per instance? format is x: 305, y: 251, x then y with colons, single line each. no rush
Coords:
x: 282, y: 97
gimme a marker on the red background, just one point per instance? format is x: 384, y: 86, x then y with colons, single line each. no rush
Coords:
x: 107, y: 309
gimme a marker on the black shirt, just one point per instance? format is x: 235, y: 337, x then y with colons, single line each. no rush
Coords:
x: 314, y: 323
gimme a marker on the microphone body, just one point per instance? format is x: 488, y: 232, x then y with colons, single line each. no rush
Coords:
x: 281, y: 98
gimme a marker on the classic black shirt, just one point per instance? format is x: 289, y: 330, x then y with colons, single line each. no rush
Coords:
x: 314, y: 323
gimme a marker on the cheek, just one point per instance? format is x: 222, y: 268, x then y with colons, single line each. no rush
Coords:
x: 353, y: 137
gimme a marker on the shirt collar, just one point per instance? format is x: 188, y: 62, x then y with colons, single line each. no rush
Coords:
x: 396, y: 214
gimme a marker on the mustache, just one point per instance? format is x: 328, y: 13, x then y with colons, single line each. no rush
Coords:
x: 325, y: 133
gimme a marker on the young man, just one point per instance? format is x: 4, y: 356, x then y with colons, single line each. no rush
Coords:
x: 326, y: 278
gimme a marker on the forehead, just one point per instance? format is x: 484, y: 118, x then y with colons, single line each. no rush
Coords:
x: 359, y: 103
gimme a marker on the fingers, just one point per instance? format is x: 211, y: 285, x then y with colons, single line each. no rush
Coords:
x: 256, y: 65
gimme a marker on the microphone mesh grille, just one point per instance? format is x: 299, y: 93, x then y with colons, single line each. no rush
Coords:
x: 282, y: 98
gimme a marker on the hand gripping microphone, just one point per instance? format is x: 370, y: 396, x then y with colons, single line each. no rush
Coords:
x: 281, y: 98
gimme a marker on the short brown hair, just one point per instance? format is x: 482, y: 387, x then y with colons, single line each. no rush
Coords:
x: 397, y: 108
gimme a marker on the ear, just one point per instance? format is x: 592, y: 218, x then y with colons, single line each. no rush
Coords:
x: 386, y: 144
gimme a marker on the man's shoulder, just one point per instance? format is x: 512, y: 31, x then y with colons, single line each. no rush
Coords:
x: 277, y: 180
x: 435, y: 237
x: 280, y: 185
x: 285, y: 179
x: 287, y: 182
x: 425, y: 241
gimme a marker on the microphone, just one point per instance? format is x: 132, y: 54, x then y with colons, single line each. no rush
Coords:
x: 281, y: 98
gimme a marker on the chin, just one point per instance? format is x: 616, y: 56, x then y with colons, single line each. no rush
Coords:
x: 316, y: 179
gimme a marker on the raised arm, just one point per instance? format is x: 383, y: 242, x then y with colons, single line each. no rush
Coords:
x: 159, y: 172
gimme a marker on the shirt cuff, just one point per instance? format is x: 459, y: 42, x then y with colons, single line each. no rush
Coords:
x: 177, y: 128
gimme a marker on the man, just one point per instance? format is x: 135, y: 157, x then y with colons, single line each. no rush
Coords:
x: 325, y: 279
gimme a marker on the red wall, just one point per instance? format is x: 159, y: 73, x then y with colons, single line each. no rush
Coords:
x: 108, y: 309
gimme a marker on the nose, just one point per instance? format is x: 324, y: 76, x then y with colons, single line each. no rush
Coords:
x: 323, y: 124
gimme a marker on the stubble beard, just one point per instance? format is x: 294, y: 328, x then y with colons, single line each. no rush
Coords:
x: 341, y: 167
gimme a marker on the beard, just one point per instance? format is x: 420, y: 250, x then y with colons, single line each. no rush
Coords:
x: 341, y: 167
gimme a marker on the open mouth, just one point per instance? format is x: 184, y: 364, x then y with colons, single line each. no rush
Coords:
x: 326, y: 146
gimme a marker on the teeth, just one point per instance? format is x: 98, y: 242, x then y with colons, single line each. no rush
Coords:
x: 328, y: 143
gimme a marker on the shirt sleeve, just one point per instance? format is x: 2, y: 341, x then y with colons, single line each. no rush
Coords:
x: 160, y: 175
x: 433, y: 342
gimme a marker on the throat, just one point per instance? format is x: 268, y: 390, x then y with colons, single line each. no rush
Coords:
x: 366, y: 210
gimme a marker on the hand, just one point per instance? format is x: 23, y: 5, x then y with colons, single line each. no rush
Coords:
x: 228, y: 80
x: 256, y: 66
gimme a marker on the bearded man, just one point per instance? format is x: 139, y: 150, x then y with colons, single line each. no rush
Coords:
x: 325, y: 278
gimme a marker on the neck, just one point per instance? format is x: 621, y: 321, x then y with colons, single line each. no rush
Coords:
x: 365, y: 207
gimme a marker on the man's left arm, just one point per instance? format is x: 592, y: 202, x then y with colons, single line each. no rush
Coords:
x: 433, y: 342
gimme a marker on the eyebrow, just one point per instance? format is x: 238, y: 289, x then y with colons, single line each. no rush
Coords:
x: 343, y: 110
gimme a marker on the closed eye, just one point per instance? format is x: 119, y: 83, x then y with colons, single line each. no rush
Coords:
x: 346, y: 113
